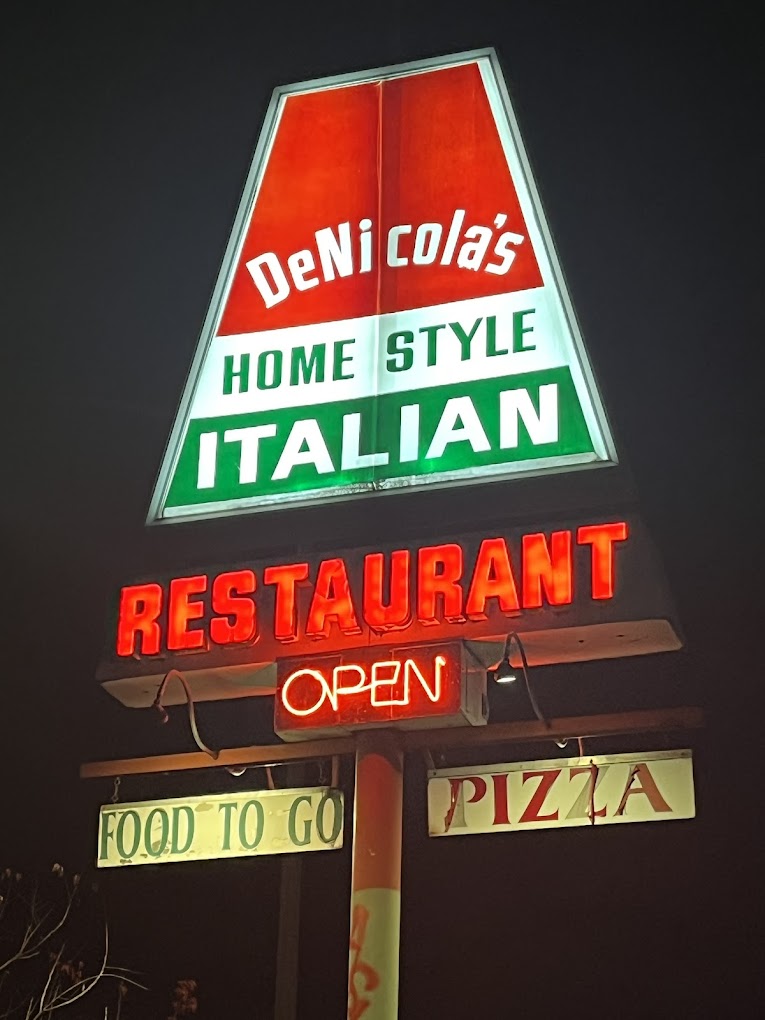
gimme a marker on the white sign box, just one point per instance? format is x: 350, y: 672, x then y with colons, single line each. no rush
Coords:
x: 390, y: 312
x: 243, y: 824
x: 649, y: 786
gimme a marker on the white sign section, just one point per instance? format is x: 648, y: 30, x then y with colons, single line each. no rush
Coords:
x: 390, y: 311
x: 652, y: 786
x: 247, y: 824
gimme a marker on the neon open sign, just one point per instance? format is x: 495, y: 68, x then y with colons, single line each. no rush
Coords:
x: 392, y: 675
x: 409, y: 687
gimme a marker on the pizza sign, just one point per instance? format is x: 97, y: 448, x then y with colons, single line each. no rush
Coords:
x: 390, y: 312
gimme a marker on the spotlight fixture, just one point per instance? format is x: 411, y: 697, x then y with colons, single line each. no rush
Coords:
x: 505, y: 673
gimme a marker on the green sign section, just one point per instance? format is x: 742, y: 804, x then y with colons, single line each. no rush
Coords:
x: 362, y: 443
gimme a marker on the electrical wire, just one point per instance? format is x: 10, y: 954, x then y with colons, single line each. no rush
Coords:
x: 175, y: 675
x: 513, y: 636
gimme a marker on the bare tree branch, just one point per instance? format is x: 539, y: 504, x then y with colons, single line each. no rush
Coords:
x: 30, y: 945
x: 62, y: 979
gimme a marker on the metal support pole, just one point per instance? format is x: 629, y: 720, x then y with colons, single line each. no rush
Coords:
x: 376, y: 880
x: 285, y: 1005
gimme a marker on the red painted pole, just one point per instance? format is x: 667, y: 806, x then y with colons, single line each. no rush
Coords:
x: 376, y: 879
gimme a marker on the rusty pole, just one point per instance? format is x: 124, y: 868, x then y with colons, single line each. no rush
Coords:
x: 376, y: 880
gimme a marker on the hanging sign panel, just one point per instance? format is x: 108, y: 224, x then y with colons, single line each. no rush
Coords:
x: 242, y: 824
x: 390, y: 311
x: 655, y: 786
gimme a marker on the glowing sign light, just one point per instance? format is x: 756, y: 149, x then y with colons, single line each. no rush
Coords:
x: 428, y: 587
x: 410, y: 687
x: 224, y: 626
x: 390, y: 311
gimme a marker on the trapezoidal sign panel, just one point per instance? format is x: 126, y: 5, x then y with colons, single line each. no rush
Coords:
x: 390, y: 312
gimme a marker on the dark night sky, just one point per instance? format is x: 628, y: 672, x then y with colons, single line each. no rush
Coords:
x: 128, y: 130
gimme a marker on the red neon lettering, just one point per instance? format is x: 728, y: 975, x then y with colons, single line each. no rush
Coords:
x: 492, y: 579
x: 140, y: 605
x: 548, y: 569
x: 332, y: 600
x: 602, y: 537
x: 546, y: 780
x: 439, y: 569
x: 285, y: 577
x: 237, y: 620
x: 181, y: 610
x: 397, y: 614
x: 501, y: 799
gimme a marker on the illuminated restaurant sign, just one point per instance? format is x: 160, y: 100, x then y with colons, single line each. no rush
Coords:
x: 406, y: 688
x: 582, y: 590
x: 390, y: 311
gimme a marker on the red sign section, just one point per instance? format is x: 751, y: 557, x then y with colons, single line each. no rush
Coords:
x: 381, y: 197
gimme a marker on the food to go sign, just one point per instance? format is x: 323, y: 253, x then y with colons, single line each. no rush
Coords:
x: 206, y: 828
x: 390, y: 311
